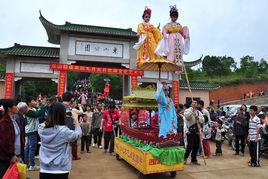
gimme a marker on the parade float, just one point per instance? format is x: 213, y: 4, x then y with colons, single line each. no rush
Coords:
x: 140, y: 144
x: 149, y: 140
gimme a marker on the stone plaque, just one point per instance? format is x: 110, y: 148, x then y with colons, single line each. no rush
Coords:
x: 98, y: 49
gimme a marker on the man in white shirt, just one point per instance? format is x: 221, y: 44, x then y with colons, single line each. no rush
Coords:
x: 200, y: 106
x: 192, y: 116
x: 254, y: 137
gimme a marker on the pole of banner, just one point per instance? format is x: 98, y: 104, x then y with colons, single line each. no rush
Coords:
x: 198, y: 124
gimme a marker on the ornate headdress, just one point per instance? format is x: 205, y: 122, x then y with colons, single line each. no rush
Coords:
x: 173, y: 10
x: 147, y: 11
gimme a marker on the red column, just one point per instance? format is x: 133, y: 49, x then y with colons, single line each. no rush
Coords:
x: 175, y: 86
x: 9, y: 80
x: 62, y: 82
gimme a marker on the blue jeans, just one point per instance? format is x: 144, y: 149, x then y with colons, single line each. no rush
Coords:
x: 30, y: 149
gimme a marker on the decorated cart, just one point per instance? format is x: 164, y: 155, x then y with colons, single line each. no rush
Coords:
x: 139, y: 144
x: 149, y: 140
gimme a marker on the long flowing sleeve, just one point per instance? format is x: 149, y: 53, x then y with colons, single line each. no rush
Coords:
x: 160, y: 95
x: 157, y: 34
x: 140, y: 30
x: 186, y: 36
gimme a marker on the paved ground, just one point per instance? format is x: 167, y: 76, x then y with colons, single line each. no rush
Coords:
x: 97, y: 165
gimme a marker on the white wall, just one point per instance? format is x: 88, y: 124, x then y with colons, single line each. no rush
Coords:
x: 202, y: 94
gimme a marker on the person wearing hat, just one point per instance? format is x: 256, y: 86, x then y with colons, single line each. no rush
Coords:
x: 109, y: 118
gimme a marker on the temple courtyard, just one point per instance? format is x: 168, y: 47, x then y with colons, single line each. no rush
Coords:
x: 97, y: 165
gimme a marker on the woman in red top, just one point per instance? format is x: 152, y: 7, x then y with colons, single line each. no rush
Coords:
x: 109, y: 119
x: 7, y: 135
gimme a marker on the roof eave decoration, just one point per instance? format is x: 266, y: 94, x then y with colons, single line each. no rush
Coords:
x: 54, y: 31
x: 193, y: 63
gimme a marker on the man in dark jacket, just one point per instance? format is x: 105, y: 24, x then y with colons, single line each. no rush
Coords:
x: 240, y: 127
x: 67, y: 97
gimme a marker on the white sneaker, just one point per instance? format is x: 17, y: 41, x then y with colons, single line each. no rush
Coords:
x: 100, y: 147
x: 37, y: 157
x: 93, y: 145
x: 34, y: 168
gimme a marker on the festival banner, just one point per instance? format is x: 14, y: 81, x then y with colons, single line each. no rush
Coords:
x: 175, y: 85
x: 89, y: 69
x: 9, y: 85
x: 62, y: 82
x: 134, y: 82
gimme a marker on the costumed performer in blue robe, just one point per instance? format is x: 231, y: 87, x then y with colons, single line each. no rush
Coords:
x: 166, y: 110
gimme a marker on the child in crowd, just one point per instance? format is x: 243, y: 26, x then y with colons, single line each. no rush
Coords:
x: 86, y: 130
x: 206, y: 137
x: 219, y: 138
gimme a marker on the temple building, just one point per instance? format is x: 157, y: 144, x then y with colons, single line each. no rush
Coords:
x: 84, y: 48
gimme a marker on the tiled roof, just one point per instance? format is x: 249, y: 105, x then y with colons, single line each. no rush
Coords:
x: 200, y: 85
x: 54, y: 31
x: 50, y: 52
x: 31, y: 51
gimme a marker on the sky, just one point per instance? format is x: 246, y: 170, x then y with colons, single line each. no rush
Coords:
x: 217, y: 27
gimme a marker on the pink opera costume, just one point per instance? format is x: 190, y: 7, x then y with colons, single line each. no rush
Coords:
x: 176, y: 40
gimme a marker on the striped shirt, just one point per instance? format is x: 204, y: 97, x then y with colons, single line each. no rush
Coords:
x: 254, y: 125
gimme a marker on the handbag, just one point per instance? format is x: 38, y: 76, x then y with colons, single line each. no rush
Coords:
x: 12, y: 172
x: 193, y: 129
x: 22, y: 170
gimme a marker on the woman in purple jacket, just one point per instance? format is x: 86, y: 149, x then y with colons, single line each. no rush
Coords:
x: 7, y: 135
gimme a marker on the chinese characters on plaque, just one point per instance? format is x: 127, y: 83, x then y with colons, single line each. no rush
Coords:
x: 99, y: 49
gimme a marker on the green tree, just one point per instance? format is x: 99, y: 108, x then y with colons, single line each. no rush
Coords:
x: 228, y: 64
x: 35, y: 87
x: 262, y: 66
x: 218, y: 66
x: 248, y: 66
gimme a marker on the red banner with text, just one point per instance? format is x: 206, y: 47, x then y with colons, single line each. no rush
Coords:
x: 62, y: 82
x: 175, y: 85
x: 90, y: 69
x: 9, y: 85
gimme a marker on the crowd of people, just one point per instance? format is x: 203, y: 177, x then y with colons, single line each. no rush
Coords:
x: 248, y: 127
x: 51, y: 128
